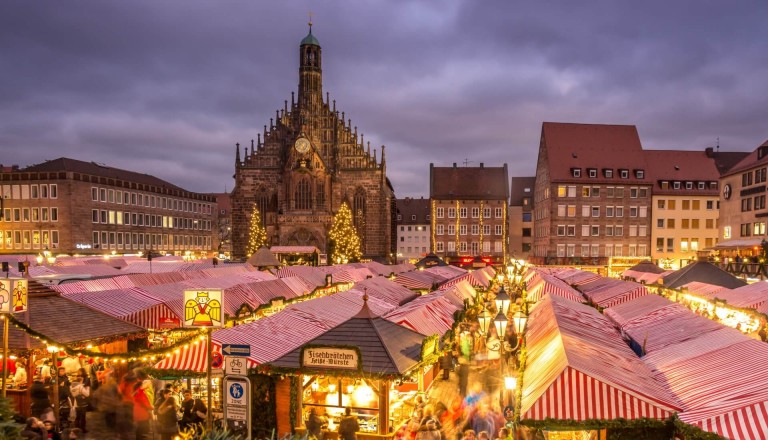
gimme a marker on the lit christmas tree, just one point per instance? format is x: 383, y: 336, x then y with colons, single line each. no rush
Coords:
x: 343, y: 240
x: 257, y: 236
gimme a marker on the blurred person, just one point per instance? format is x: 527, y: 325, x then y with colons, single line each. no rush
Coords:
x: 124, y: 426
x: 41, y: 403
x: 483, y: 420
x: 167, y: 423
x: 142, y: 410
x: 52, y: 433
x: 468, y: 435
x: 80, y: 393
x: 348, y: 426
x: 34, y: 429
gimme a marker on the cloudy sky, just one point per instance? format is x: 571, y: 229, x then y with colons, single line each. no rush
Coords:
x: 168, y: 87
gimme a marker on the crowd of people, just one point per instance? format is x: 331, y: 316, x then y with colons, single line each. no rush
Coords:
x: 132, y: 407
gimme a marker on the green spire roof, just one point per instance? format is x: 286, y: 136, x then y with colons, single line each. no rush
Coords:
x: 310, y: 39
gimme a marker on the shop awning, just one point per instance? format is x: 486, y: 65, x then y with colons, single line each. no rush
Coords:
x: 579, y: 368
x: 750, y: 296
x: 131, y: 306
x: 428, y: 314
x: 739, y: 243
x: 704, y: 290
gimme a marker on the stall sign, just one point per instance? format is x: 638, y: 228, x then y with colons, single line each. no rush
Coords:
x: 336, y: 288
x: 13, y: 295
x: 330, y: 357
x: 203, y: 308
x: 237, y: 405
x: 168, y: 322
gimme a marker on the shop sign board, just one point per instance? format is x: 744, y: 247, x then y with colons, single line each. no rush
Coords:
x: 330, y: 357
x: 13, y: 295
x: 203, y: 308
x: 168, y: 322
x: 235, y: 365
x: 237, y: 405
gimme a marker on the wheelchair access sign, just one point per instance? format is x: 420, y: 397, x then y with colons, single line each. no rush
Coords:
x: 237, y: 405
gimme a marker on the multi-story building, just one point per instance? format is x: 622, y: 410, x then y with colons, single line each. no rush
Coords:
x: 310, y: 160
x: 592, y: 195
x: 743, y: 212
x: 469, y: 213
x: 521, y: 217
x: 413, y: 231
x: 685, y: 204
x: 75, y: 207
x: 223, y: 225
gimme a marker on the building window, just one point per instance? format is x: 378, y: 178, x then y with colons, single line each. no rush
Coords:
x: 413, y: 218
x: 451, y: 212
x: 561, y: 230
x: 571, y: 211
x: 576, y: 172
x: 94, y: 216
x: 462, y: 229
x: 624, y: 174
x: 618, y: 231
x: 497, y: 212
x: 670, y: 245
x: 585, y: 191
x: 592, y: 172
x: 561, y: 250
x: 475, y: 229
x: 633, y: 211
x: 640, y: 174
x: 571, y: 230
x: 439, y: 229
x: 633, y: 193
x: 498, y: 229
x: 585, y: 230
x: 675, y: 185
x: 463, y: 212
x: 451, y: 229
x: 660, y: 244
x: 595, y: 191
x: 660, y: 223
x: 487, y: 212
x: 439, y: 212
x: 595, y: 230
x: 570, y: 250
x: 660, y: 203
x: 439, y: 245
x: 303, y: 195
x: 585, y: 211
x: 607, y: 172
x: 727, y: 232
x: 475, y: 212
x: 487, y: 229
x: 619, y: 211
x: 595, y: 211
x: 562, y: 191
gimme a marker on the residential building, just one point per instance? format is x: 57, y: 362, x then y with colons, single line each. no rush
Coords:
x: 743, y: 210
x: 469, y: 213
x: 684, y: 205
x: 309, y: 160
x: 75, y: 207
x: 413, y: 231
x: 521, y: 217
x: 592, y: 195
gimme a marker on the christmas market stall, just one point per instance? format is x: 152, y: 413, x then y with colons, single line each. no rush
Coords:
x: 576, y: 277
x: 358, y: 364
x: 606, y: 292
x: 550, y: 285
x: 56, y: 329
x: 580, y: 379
x: 716, y: 372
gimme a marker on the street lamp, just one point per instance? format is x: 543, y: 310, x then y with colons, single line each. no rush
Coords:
x: 484, y: 319
x: 502, y: 300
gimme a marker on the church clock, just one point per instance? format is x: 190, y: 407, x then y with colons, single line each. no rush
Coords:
x: 302, y: 145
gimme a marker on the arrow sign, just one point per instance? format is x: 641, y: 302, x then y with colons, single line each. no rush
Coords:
x: 236, y: 349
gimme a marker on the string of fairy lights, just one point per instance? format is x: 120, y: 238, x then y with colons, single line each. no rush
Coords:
x: 346, y: 242
x: 151, y: 355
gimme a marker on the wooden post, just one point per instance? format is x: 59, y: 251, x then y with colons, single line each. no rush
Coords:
x: 209, y: 350
x: 383, y: 407
x: 300, y: 401
x: 5, y: 352
x: 55, y: 382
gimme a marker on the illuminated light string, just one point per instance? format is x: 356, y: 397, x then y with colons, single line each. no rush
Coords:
x: 148, y: 355
x: 257, y: 236
x: 344, y: 236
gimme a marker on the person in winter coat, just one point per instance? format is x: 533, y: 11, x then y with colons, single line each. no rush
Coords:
x: 80, y: 393
x: 348, y: 426
x: 315, y: 424
x: 40, y: 401
x: 167, y: 425
x: 193, y: 411
x: 142, y: 411
x: 34, y: 430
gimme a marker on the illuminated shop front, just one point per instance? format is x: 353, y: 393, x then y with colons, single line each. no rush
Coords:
x: 350, y: 366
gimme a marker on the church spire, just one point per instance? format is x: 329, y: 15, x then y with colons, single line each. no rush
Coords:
x: 310, y: 73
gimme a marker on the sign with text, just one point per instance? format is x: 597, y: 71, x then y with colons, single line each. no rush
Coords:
x: 13, y: 295
x: 237, y: 404
x: 330, y: 357
x: 203, y: 308
x: 243, y: 350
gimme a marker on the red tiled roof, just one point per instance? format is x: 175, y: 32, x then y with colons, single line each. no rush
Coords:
x: 592, y: 146
x: 682, y: 166
x: 750, y: 161
x: 473, y: 183
x: 407, y: 207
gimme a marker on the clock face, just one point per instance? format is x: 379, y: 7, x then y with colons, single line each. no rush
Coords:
x: 302, y: 145
x: 727, y: 192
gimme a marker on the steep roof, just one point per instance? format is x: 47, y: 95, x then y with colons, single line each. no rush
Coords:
x: 703, y: 272
x: 385, y: 347
x: 95, y: 169
x: 751, y: 160
x: 409, y: 207
x: 518, y: 190
x: 472, y: 183
x: 681, y: 166
x: 263, y: 258
x: 598, y: 146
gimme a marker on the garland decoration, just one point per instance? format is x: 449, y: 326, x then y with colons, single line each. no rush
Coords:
x: 293, y: 404
x: 144, y: 355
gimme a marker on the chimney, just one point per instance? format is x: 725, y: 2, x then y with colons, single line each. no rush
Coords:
x: 710, y: 151
x: 454, y: 164
x: 482, y: 165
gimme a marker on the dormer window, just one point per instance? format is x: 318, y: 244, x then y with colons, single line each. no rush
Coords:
x: 688, y: 185
x: 576, y: 172
x: 413, y: 218
x: 428, y: 217
x: 713, y: 185
x: 592, y: 172
x: 399, y: 217
x: 640, y: 174
x: 607, y: 172
x: 624, y: 174
x: 702, y: 185
x: 676, y: 185
x: 664, y: 184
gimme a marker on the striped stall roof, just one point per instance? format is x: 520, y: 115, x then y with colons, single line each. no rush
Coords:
x: 469, y: 277
x: 703, y: 289
x: 576, y: 277
x: 460, y: 292
x: 193, y: 357
x: 312, y: 275
x: 446, y: 272
x: 750, y: 296
x: 607, y: 292
x: 128, y: 305
x: 580, y: 368
x: 428, y: 314
x: 550, y: 285
x: 638, y: 308
x: 386, y: 290
x: 419, y: 279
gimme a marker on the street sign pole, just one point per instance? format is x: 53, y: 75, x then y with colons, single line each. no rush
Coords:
x: 209, y: 352
x: 237, y: 405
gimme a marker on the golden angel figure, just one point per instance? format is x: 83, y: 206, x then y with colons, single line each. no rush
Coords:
x: 202, y: 310
x: 19, y: 297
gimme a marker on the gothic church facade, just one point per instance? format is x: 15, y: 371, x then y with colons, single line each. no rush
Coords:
x: 308, y: 161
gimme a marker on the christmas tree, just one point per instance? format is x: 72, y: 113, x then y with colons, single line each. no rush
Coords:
x: 257, y: 236
x: 343, y: 239
x: 8, y: 426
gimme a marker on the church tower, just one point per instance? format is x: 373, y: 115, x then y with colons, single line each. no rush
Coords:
x: 305, y: 164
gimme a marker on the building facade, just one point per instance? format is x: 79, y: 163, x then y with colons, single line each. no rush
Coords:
x: 743, y: 213
x: 413, y: 229
x: 309, y: 160
x: 67, y: 206
x: 521, y: 217
x: 592, y: 196
x: 685, y: 205
x: 223, y: 225
x: 469, y: 213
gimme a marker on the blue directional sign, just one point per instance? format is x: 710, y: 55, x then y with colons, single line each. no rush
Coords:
x: 236, y: 349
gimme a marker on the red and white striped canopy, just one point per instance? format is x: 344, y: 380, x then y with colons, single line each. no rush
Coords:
x: 549, y: 285
x: 192, y: 358
x: 607, y: 292
x: 576, y: 277
x: 704, y: 290
x: 580, y: 368
x: 750, y: 296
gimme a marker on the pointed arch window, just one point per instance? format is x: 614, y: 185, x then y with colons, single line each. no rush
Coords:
x: 358, y: 209
x: 303, y: 195
x: 320, y: 195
